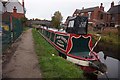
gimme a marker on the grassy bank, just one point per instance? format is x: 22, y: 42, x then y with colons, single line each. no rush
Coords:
x: 108, y: 36
x: 109, y: 42
x: 53, y: 66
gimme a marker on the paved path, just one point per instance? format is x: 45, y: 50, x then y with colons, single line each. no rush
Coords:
x: 24, y: 62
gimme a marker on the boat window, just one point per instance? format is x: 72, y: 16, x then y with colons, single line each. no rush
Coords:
x: 71, y: 23
x: 82, y: 24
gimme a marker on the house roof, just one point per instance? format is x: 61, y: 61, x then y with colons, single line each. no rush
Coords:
x: 12, y: 2
x: 4, y: 3
x: 87, y: 9
x: 114, y: 9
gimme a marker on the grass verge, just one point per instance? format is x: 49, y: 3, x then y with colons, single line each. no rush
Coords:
x: 109, y: 42
x: 25, y: 28
x: 53, y: 66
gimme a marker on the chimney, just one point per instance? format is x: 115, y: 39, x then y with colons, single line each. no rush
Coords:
x: 14, y: 10
x: 82, y: 8
x: 101, y: 7
x: 23, y: 6
x: 112, y: 4
x: 23, y: 3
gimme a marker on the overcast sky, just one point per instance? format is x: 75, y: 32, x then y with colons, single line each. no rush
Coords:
x: 44, y: 9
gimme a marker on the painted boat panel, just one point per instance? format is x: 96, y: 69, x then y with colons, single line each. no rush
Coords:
x: 69, y: 44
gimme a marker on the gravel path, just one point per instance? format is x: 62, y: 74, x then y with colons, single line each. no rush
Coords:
x: 24, y: 62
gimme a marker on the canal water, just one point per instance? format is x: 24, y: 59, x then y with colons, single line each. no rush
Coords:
x: 113, y: 71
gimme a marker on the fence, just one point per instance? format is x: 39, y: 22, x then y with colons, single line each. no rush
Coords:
x: 11, y: 30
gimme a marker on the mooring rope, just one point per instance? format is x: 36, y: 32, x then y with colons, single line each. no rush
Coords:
x: 96, y: 42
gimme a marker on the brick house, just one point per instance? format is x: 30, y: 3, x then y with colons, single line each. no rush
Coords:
x: 10, y: 11
x: 114, y: 15
x: 96, y: 15
x: 16, y: 9
x: 17, y: 15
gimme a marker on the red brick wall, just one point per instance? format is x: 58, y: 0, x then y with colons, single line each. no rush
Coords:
x: 18, y: 15
x: 117, y: 18
x: 96, y: 11
x: 116, y: 21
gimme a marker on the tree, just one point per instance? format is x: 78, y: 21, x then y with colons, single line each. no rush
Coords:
x: 56, y: 20
x: 24, y: 20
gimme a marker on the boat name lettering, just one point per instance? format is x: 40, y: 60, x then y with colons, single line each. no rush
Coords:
x: 62, y: 38
x: 60, y: 44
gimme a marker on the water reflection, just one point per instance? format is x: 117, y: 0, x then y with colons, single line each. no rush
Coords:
x: 112, y: 66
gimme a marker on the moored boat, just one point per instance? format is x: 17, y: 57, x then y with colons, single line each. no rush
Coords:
x: 74, y: 44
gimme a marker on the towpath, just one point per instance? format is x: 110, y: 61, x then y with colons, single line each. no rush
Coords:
x: 24, y: 62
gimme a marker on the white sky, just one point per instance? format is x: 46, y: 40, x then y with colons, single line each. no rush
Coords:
x: 44, y: 9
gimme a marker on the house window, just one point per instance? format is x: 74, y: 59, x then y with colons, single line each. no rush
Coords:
x: 112, y: 17
x: 89, y: 15
x: 101, y: 16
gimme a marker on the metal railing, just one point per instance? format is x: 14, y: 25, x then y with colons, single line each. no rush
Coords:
x: 11, y: 30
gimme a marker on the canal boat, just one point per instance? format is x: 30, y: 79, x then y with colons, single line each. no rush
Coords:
x: 74, y: 44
